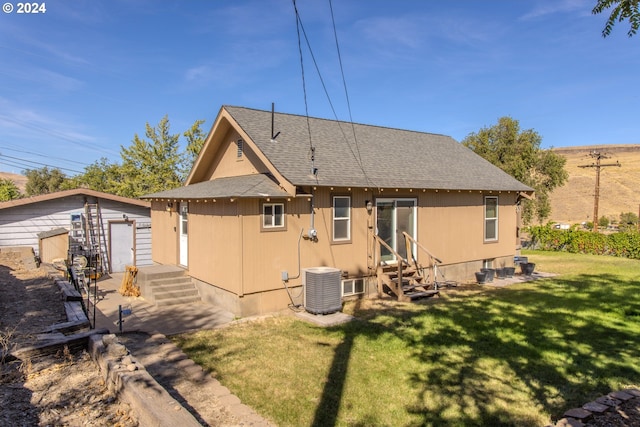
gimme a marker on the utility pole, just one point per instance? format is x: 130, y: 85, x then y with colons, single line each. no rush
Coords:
x: 598, y: 165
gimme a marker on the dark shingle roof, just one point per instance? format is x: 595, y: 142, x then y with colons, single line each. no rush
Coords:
x: 377, y: 157
x: 254, y: 186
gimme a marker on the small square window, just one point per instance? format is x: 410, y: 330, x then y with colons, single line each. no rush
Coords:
x: 273, y: 215
x: 352, y: 286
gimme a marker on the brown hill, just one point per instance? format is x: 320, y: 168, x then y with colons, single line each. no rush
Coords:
x: 619, y: 186
x: 19, y: 180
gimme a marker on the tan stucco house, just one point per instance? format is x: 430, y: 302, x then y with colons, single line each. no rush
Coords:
x: 273, y: 194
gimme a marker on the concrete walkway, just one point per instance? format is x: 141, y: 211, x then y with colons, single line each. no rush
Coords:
x: 201, y: 394
x: 518, y: 278
x: 146, y: 317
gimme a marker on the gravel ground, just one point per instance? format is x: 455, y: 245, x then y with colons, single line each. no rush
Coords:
x: 59, y: 390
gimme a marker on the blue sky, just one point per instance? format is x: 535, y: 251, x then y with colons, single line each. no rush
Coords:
x: 79, y: 80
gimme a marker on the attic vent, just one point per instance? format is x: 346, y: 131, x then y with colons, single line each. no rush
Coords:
x: 239, y: 143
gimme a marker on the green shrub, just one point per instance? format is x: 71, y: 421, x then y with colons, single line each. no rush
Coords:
x: 622, y: 244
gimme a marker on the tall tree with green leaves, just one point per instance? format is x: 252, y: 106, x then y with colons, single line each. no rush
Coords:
x: 621, y: 10
x: 45, y: 181
x: 518, y: 153
x: 195, y: 137
x: 101, y: 175
x: 8, y: 190
x: 152, y: 164
x: 148, y: 165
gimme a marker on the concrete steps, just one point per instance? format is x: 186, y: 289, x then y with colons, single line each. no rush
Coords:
x: 165, y: 287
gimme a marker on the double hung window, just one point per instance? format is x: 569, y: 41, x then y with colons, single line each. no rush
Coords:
x: 490, y: 219
x: 341, y: 218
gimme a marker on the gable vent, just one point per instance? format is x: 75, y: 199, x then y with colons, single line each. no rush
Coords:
x: 240, y: 144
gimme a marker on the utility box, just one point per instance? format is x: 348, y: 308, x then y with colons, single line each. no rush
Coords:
x: 322, y: 293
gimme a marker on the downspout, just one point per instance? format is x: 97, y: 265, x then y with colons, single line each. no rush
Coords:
x: 242, y: 225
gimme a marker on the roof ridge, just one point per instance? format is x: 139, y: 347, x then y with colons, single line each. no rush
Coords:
x: 341, y: 121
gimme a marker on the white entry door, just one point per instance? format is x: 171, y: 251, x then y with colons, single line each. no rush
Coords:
x: 184, y: 239
x: 122, y: 244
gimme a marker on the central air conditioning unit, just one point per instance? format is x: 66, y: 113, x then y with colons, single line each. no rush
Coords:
x: 322, y: 293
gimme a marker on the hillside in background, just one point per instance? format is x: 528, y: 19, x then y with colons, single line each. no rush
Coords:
x: 619, y: 186
x: 19, y: 180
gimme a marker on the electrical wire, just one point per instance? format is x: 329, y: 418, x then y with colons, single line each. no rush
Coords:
x: 44, y: 155
x: 304, y: 85
x: 54, y: 134
x: 17, y: 160
x: 300, y: 27
x: 344, y: 80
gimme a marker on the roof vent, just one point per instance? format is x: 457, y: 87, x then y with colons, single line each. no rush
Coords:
x: 273, y: 115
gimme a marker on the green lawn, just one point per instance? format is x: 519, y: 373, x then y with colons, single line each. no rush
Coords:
x: 521, y: 355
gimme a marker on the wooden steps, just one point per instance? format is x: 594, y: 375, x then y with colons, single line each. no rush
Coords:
x: 408, y: 288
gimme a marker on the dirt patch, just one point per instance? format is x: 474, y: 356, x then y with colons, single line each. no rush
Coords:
x: 67, y: 389
x: 62, y: 389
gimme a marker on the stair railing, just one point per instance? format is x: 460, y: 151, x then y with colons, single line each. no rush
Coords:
x: 378, y: 263
x: 411, y: 256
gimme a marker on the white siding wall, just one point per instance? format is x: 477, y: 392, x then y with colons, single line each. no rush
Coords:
x: 20, y: 225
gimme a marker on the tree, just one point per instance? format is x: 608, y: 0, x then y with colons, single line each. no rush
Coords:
x: 620, y: 10
x: 8, y: 190
x: 44, y: 181
x: 153, y: 165
x: 603, y: 222
x: 100, y: 176
x: 148, y: 165
x: 628, y: 221
x: 518, y: 153
x: 195, y: 141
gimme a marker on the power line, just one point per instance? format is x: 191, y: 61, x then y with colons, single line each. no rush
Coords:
x: 54, y: 133
x: 299, y: 28
x: 44, y: 155
x: 344, y: 81
x: 35, y: 163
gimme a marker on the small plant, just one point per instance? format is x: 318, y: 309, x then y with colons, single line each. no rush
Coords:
x: 5, y: 344
x: 26, y: 367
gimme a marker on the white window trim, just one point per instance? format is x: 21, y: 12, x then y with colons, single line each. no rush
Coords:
x: 494, y: 219
x: 347, y: 219
x: 354, y: 284
x: 272, y: 225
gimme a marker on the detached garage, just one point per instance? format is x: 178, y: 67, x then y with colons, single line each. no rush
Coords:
x: 119, y: 228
